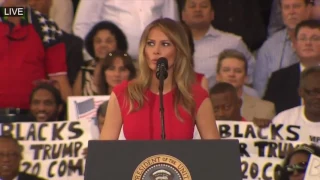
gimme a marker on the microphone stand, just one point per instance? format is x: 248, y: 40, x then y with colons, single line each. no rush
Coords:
x: 161, y: 79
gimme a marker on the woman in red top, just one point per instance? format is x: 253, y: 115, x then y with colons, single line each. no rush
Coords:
x: 135, y: 104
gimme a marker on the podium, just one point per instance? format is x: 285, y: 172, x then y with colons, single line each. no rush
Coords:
x: 170, y: 160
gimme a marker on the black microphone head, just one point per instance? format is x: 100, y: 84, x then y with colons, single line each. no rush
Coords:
x: 162, y: 65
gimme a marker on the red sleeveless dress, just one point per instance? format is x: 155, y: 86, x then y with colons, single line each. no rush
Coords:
x: 145, y: 124
x: 199, y: 77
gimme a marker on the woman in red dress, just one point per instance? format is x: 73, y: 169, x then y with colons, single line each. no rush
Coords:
x: 135, y: 104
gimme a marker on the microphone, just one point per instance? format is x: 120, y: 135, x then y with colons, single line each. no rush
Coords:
x: 162, y: 68
x: 162, y: 74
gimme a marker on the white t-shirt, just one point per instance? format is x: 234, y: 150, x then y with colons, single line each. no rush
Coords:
x: 296, y: 116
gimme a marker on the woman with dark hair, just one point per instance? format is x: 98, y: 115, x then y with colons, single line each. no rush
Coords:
x: 114, y: 69
x: 103, y: 38
x: 296, y: 163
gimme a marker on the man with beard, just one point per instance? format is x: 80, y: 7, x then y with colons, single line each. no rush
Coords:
x: 306, y: 116
x: 10, y: 158
x: 45, y: 103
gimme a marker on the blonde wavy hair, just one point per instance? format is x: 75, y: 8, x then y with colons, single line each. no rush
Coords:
x: 183, y: 73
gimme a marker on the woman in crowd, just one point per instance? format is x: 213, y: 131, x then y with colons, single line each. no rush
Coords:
x: 135, y: 104
x: 101, y: 115
x: 295, y: 164
x: 115, y: 68
x: 199, y: 77
x: 104, y: 38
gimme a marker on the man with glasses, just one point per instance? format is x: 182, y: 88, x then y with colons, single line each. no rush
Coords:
x: 306, y: 116
x: 283, y: 85
x: 277, y: 51
x: 10, y: 158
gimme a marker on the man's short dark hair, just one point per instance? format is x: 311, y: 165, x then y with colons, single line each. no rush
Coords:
x: 54, y: 91
x: 232, y: 53
x: 11, y: 138
x: 223, y: 87
x: 182, y: 4
x: 102, y: 110
x: 307, y: 72
x: 313, y: 24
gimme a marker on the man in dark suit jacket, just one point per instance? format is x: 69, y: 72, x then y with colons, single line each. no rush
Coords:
x: 283, y: 85
x: 10, y: 158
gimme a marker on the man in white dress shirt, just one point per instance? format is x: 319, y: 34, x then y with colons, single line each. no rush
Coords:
x: 131, y: 16
x: 208, y: 41
x: 306, y: 116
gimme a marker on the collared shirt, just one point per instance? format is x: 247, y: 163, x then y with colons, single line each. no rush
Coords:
x: 131, y: 16
x: 302, y: 68
x: 29, y: 52
x: 276, y: 53
x: 211, y: 45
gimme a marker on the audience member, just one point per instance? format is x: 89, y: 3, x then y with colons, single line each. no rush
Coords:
x: 101, y: 115
x: 306, y: 116
x: 135, y: 104
x: 277, y: 52
x: 232, y: 68
x: 30, y: 49
x: 226, y: 103
x: 199, y: 77
x: 61, y: 12
x: 283, y: 84
x: 295, y: 164
x: 45, y: 103
x: 114, y: 69
x: 243, y: 18
x: 103, y: 38
x: 209, y: 42
x: 131, y: 18
x: 276, y: 21
x: 73, y: 43
x: 10, y: 159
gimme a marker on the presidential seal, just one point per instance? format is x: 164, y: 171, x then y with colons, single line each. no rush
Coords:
x: 161, y: 167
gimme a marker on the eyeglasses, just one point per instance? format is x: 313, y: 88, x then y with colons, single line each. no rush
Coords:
x: 12, y: 155
x: 312, y: 39
x: 114, y: 54
x: 300, y: 168
x: 314, y: 92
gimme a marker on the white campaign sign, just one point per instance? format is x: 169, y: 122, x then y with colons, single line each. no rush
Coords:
x: 52, y: 150
x: 313, y: 170
x: 84, y: 107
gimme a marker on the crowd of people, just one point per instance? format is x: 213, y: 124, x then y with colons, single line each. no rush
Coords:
x: 252, y: 61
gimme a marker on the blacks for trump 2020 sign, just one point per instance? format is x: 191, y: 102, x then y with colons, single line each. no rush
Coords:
x: 52, y: 150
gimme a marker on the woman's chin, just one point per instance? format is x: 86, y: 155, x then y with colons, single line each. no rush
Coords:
x: 153, y: 67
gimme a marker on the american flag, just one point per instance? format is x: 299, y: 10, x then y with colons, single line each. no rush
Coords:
x: 47, y: 28
x: 87, y: 109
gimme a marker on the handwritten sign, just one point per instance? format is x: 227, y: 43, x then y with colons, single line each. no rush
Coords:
x: 313, y: 170
x: 84, y: 107
x: 52, y: 150
x: 262, y: 150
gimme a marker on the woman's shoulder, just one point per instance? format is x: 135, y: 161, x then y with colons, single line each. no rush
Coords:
x: 197, y: 89
x: 199, y: 76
